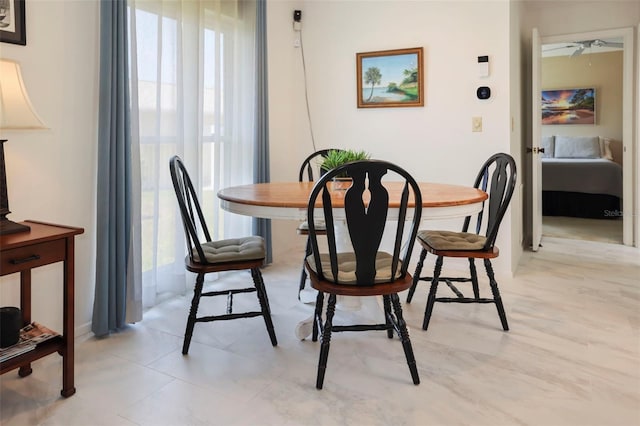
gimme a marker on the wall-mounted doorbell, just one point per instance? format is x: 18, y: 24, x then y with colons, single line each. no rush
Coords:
x: 483, y: 66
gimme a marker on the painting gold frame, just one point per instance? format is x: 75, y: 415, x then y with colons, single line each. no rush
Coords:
x: 390, y: 78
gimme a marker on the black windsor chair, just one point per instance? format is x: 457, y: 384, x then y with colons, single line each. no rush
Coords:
x: 216, y: 256
x: 497, y: 177
x: 366, y: 270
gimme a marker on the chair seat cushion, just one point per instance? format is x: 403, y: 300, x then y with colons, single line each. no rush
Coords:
x: 320, y: 226
x: 232, y: 250
x: 347, y: 268
x: 449, y: 240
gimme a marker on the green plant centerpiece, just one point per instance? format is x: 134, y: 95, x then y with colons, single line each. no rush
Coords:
x: 335, y: 158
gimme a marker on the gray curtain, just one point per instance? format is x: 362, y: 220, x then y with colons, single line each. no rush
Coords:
x: 262, y: 227
x: 116, y: 268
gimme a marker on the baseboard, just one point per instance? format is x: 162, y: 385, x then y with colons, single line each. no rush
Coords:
x: 83, y: 331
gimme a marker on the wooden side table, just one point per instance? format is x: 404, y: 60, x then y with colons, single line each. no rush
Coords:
x: 21, y: 252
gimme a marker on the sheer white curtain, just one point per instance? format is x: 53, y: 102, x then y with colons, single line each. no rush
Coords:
x: 193, y: 66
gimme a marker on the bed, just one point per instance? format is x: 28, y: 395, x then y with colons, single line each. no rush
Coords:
x: 580, y: 178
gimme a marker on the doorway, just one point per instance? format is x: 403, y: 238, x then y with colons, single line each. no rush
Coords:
x: 618, y: 39
x: 595, y: 65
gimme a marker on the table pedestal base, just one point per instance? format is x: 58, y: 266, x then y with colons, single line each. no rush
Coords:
x: 308, y: 297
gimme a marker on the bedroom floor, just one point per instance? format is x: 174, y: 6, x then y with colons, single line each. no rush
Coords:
x: 607, y: 231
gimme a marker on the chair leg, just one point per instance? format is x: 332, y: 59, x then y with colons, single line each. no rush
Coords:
x: 191, y: 319
x: 303, y: 274
x: 317, y: 316
x: 496, y: 294
x: 431, y: 299
x: 326, y: 340
x: 416, y: 275
x: 264, y: 303
x: 264, y: 288
x: 387, y: 315
x: 303, y: 279
x: 404, y: 337
x: 474, y: 278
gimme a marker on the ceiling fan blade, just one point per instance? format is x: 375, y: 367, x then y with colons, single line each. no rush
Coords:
x: 602, y: 43
x: 578, y: 51
x: 577, y: 48
x: 559, y: 48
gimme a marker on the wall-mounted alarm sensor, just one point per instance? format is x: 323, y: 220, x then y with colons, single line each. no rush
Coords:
x: 483, y: 66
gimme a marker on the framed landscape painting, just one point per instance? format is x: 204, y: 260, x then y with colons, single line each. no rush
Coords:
x: 390, y: 78
x: 569, y: 106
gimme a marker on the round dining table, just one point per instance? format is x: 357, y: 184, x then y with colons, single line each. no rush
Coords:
x: 288, y: 200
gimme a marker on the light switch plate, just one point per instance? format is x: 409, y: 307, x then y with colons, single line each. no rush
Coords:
x: 476, y: 124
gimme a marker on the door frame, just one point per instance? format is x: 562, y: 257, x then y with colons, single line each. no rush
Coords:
x: 629, y: 146
x: 536, y: 131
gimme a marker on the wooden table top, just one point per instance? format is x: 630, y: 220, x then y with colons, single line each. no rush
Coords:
x: 290, y: 198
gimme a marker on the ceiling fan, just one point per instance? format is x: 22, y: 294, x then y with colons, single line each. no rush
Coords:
x: 581, y: 46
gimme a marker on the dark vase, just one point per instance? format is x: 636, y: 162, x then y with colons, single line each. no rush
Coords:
x: 10, y: 324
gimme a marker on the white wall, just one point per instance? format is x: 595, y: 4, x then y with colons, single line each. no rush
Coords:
x: 434, y: 142
x: 51, y: 174
x: 576, y: 16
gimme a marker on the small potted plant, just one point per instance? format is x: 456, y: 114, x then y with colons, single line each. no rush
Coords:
x: 335, y: 158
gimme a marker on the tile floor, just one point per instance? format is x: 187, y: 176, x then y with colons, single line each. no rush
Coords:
x: 572, y: 357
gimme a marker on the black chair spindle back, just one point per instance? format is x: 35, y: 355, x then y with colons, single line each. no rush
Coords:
x: 190, y: 211
x: 497, y: 177
x: 366, y: 221
x: 307, y: 168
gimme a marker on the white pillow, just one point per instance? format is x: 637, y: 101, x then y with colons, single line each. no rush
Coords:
x: 605, y: 149
x: 547, y: 143
x: 577, y: 147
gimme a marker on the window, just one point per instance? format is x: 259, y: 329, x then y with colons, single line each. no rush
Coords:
x: 189, y: 78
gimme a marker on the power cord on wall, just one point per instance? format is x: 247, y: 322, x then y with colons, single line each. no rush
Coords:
x: 297, y: 17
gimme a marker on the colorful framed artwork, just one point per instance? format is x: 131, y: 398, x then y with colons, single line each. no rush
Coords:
x: 569, y: 106
x: 390, y: 78
x: 12, y: 22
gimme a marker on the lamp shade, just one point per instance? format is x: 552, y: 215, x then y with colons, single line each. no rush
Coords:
x: 16, y: 111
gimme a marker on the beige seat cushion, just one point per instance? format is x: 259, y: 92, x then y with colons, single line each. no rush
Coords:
x: 320, y: 226
x: 347, y: 267
x: 449, y: 240
x: 232, y: 250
